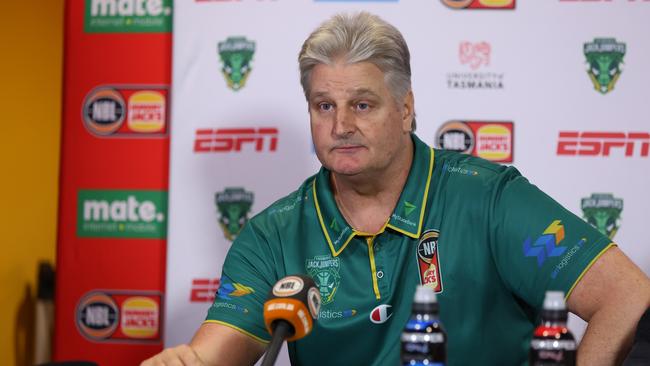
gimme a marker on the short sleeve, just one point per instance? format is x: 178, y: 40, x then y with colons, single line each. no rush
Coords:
x: 246, y: 280
x: 537, y: 244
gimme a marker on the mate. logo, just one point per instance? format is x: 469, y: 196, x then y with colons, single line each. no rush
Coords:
x: 325, y: 271
x: 236, y: 54
x: 604, y: 62
x: 603, y: 211
x: 233, y: 205
x: 428, y: 260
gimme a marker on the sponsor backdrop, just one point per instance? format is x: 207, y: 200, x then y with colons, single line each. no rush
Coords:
x: 566, y: 104
x: 114, y: 177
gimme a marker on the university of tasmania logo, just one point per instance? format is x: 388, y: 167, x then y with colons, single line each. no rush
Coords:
x: 236, y: 55
x: 325, y: 271
x: 233, y: 206
x: 603, y: 211
x: 604, y: 62
x: 428, y: 260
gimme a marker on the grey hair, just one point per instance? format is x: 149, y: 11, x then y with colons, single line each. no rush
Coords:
x: 357, y: 38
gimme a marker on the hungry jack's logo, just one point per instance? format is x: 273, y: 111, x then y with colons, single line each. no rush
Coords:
x: 492, y: 141
x: 428, y: 260
x: 144, y: 109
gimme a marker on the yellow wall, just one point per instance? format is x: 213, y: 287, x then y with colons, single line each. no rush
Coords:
x: 31, y: 40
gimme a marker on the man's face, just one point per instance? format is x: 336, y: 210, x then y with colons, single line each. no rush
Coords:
x: 356, y: 124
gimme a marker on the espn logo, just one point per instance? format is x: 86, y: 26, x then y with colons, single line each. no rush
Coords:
x: 602, y: 143
x: 204, y: 289
x: 234, y: 139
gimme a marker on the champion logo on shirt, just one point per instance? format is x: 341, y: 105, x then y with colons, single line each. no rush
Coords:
x: 381, y: 314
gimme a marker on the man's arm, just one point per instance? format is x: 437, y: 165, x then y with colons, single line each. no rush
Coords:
x: 213, y: 345
x: 612, y: 295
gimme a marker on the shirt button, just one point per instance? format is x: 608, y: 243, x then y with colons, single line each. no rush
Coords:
x: 380, y: 274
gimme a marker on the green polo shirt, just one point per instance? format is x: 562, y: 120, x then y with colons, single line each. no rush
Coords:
x: 489, y: 242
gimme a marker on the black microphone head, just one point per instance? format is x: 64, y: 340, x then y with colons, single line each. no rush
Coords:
x: 296, y: 300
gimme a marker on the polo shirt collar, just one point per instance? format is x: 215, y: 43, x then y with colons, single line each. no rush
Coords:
x: 406, y: 218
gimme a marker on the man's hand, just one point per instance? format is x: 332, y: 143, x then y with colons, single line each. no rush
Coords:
x: 612, y: 296
x: 182, y: 355
x: 213, y: 345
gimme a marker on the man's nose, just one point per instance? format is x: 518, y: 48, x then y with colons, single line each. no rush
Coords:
x: 343, y: 123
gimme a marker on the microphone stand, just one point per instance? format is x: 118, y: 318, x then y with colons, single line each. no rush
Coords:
x: 281, y: 330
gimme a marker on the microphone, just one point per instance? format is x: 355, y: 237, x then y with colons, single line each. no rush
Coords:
x: 290, y: 312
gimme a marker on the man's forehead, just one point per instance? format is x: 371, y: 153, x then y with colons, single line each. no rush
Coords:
x: 352, y: 92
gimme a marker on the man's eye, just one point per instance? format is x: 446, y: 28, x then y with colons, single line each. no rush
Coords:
x: 325, y: 107
x: 363, y: 106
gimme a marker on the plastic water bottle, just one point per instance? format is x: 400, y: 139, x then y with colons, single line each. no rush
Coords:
x: 552, y: 343
x: 424, y: 341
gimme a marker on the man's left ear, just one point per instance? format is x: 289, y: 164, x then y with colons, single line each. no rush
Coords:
x: 408, y: 111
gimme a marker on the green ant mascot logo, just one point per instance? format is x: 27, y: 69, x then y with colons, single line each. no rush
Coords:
x: 603, y: 211
x: 233, y: 205
x: 236, y: 55
x: 604, y: 62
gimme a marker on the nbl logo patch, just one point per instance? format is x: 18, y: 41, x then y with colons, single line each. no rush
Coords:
x: 428, y: 260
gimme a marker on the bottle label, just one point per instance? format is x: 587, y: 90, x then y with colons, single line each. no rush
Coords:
x: 553, y: 345
x: 423, y: 338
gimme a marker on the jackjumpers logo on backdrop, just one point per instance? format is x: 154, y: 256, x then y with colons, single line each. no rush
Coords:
x: 233, y: 207
x: 128, y: 16
x: 236, y: 54
x: 224, y: 140
x: 604, y: 62
x: 144, y: 109
x: 475, y: 56
x: 603, y: 211
x: 325, y: 271
x: 599, y: 143
x: 121, y: 214
x: 480, y: 4
x: 493, y: 141
x: 120, y: 316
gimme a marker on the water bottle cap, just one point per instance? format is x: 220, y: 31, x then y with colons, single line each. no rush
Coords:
x: 425, y: 295
x: 554, y: 300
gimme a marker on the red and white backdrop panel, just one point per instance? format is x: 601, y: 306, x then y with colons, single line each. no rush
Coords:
x: 556, y: 88
x: 114, y: 177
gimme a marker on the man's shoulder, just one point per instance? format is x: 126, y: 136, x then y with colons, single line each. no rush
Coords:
x: 288, y: 206
x: 463, y: 171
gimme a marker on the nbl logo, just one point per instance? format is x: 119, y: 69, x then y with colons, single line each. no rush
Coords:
x: 428, y: 260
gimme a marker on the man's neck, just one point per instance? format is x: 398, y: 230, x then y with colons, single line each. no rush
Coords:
x: 367, y: 201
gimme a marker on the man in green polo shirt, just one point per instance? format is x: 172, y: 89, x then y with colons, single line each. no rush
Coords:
x: 387, y: 212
